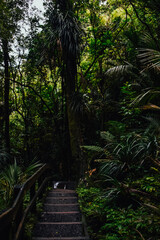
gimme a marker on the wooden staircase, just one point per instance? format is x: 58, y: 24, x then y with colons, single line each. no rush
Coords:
x: 61, y: 218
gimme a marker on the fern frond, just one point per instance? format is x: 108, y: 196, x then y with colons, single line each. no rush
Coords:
x: 107, y: 136
x: 93, y: 148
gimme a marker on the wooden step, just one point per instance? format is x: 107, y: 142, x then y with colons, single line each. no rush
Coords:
x: 62, y: 194
x: 61, y: 219
x: 60, y: 216
x: 61, y: 200
x: 63, y: 190
x: 63, y: 238
x: 63, y: 229
x: 61, y: 207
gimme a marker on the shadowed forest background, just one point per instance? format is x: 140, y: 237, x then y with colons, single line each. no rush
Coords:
x: 81, y: 90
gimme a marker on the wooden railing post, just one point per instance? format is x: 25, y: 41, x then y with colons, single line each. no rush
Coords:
x: 13, y: 219
x: 40, y: 180
x: 19, y: 214
x: 32, y: 193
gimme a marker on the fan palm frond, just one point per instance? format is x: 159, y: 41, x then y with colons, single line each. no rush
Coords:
x: 65, y: 28
x: 146, y: 97
x: 120, y: 70
x: 148, y: 41
x: 150, y: 58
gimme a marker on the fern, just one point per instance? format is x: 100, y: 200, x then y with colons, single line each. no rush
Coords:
x: 94, y: 148
x: 107, y: 136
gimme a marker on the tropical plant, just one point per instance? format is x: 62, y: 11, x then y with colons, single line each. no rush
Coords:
x: 65, y: 34
x: 120, y: 70
x: 149, y: 57
x: 127, y: 155
x: 9, y: 177
x: 116, y: 191
x: 13, y: 175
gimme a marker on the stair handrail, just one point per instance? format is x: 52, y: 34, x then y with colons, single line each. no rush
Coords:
x: 8, y: 217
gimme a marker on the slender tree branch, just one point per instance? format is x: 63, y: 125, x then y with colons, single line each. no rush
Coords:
x: 28, y: 86
x: 97, y: 56
x: 144, y: 23
x: 140, y: 234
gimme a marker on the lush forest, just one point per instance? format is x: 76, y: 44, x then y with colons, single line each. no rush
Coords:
x: 80, y: 90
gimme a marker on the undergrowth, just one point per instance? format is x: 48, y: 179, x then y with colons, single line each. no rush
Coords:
x: 108, y: 222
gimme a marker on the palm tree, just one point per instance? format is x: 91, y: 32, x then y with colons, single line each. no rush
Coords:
x: 149, y: 57
x: 65, y: 33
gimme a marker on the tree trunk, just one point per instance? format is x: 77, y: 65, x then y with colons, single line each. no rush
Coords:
x: 6, y: 95
x: 73, y: 123
x: 74, y: 133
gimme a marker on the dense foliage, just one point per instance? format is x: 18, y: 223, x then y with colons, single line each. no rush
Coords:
x: 81, y: 91
x: 107, y: 221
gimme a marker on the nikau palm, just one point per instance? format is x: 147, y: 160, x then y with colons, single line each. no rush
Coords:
x: 65, y: 33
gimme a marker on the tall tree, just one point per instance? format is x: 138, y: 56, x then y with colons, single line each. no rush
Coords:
x: 65, y: 32
x: 11, y: 13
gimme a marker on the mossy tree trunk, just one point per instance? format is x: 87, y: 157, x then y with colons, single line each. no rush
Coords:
x: 73, y: 122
